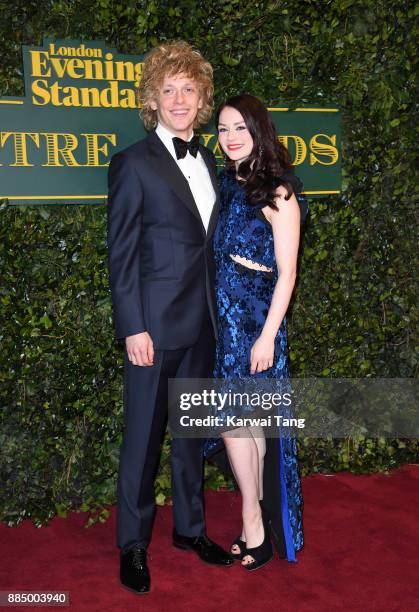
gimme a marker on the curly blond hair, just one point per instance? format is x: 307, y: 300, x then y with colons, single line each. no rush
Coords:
x: 170, y: 59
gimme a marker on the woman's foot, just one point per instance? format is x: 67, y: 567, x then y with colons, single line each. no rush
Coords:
x: 260, y: 554
x: 238, y: 548
x: 253, y: 530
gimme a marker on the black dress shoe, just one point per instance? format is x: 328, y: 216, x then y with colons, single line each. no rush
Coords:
x: 206, y: 550
x: 134, y: 574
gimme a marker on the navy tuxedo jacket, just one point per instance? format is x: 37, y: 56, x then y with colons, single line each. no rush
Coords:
x: 161, y: 264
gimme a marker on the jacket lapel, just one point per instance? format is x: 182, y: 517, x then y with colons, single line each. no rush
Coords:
x: 164, y: 164
x: 212, y: 170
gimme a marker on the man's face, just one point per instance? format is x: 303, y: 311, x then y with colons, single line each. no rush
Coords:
x: 177, y: 103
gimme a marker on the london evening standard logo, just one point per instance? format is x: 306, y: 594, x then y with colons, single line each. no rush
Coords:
x: 59, y: 74
x: 81, y: 107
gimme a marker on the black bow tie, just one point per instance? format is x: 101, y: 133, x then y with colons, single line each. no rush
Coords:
x: 182, y: 146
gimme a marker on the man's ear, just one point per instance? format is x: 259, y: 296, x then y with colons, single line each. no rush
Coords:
x: 200, y: 103
x: 153, y: 105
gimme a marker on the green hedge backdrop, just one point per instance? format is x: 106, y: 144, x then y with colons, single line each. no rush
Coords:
x: 353, y: 309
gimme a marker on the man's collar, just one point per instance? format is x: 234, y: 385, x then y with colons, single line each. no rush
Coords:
x: 166, y: 135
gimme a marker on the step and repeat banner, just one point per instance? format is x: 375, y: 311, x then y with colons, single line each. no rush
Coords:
x: 80, y: 108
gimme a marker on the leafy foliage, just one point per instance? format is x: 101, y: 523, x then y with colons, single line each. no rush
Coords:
x: 353, y: 312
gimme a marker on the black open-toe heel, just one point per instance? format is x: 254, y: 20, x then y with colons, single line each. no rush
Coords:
x: 242, y: 546
x: 261, y: 554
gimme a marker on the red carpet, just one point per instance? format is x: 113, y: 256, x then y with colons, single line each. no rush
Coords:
x: 361, y: 553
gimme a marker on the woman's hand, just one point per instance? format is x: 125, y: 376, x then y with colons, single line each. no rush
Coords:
x: 262, y: 354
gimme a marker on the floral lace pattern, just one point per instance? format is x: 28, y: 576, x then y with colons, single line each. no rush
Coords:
x: 243, y: 299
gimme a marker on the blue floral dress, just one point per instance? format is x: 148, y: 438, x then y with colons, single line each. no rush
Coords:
x: 243, y: 300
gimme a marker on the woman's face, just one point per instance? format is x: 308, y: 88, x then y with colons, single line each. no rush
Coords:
x: 233, y: 135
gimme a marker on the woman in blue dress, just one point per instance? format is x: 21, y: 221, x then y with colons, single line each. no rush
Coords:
x: 256, y: 246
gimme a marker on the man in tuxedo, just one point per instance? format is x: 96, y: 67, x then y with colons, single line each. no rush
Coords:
x: 162, y: 212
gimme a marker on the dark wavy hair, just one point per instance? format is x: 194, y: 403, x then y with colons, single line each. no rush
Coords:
x: 269, y: 163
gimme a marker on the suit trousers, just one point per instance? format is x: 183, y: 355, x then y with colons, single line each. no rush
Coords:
x: 145, y: 419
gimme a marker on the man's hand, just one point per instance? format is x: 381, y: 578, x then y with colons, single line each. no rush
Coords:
x: 140, y: 349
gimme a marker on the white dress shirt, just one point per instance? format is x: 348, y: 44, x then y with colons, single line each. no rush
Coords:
x: 196, y: 173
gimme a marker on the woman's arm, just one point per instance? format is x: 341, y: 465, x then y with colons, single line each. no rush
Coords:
x: 286, y: 232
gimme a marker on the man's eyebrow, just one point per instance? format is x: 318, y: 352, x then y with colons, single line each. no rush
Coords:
x: 173, y: 83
